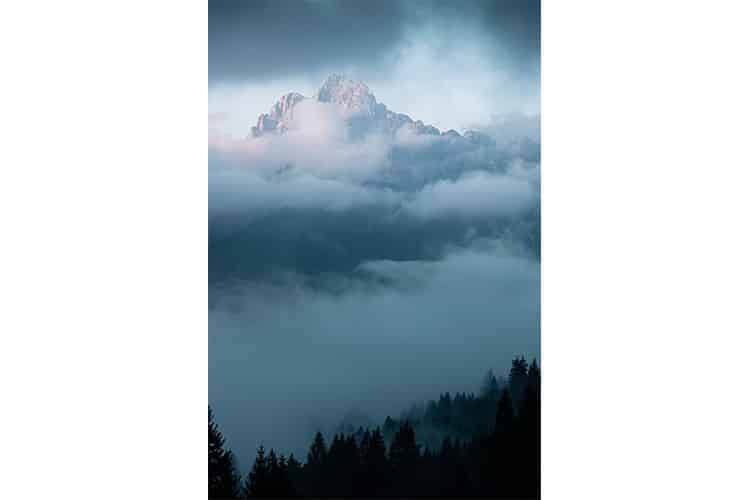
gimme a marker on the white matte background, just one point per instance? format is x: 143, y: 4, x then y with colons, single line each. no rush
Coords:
x: 103, y: 263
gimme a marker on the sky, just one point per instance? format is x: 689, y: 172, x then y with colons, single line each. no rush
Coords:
x: 452, y: 64
x: 355, y: 277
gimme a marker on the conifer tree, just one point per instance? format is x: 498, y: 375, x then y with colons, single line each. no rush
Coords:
x: 375, y: 465
x: 342, y: 466
x: 518, y: 380
x: 364, y: 445
x: 318, y: 451
x: 534, y: 375
x: 404, y: 457
x: 529, y: 435
x: 389, y: 426
x: 272, y: 480
x: 447, y: 462
x: 223, y: 481
x: 444, y: 410
x: 280, y: 484
x: 257, y: 480
x: 294, y: 473
x: 490, y: 387
x: 315, y: 469
x: 504, y: 415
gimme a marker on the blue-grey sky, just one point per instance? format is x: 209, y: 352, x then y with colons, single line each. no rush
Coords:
x: 313, y: 36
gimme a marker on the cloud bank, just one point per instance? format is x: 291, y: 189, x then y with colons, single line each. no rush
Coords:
x: 339, y: 268
x: 312, y: 200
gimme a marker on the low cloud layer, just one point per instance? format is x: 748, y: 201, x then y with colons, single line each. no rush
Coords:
x: 318, y: 144
x: 287, y: 360
x: 313, y: 201
x: 474, y: 195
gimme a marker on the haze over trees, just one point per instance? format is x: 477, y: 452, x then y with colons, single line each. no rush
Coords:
x: 487, y: 445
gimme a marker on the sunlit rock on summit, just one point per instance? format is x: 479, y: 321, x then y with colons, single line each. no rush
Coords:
x: 364, y: 114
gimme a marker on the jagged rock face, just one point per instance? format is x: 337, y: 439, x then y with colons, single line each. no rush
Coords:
x: 421, y: 128
x: 265, y: 124
x: 283, y: 110
x: 364, y: 114
x: 280, y: 115
x: 355, y: 97
x: 397, y: 120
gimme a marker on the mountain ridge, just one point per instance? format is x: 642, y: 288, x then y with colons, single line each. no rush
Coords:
x: 364, y: 113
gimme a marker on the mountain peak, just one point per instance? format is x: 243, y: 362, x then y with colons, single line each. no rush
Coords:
x: 354, y: 95
x: 364, y: 114
x: 285, y: 105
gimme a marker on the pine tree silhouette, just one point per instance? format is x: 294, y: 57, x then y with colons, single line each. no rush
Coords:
x: 294, y: 473
x: 444, y: 408
x: 223, y: 481
x: 447, y: 464
x: 375, y: 465
x: 318, y: 451
x: 342, y: 466
x: 518, y: 380
x: 504, y: 414
x: 490, y: 387
x: 315, y: 469
x: 269, y: 476
x: 534, y: 375
x: 280, y: 487
x: 350, y: 467
x: 256, y: 482
x: 530, y: 420
x: 334, y: 465
x: 404, y: 458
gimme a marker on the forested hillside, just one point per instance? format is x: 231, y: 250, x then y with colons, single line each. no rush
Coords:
x: 465, y: 445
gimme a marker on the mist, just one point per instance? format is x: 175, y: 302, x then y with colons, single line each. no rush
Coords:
x: 287, y: 360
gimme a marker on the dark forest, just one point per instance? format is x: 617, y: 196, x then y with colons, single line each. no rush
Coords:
x: 466, y: 445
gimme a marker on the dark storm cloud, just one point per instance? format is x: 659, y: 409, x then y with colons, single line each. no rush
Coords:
x: 514, y: 25
x: 264, y: 39
x: 268, y: 39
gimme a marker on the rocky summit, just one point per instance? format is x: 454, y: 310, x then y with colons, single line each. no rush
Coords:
x: 364, y: 114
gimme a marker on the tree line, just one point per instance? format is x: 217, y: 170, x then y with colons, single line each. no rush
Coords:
x: 489, y: 446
